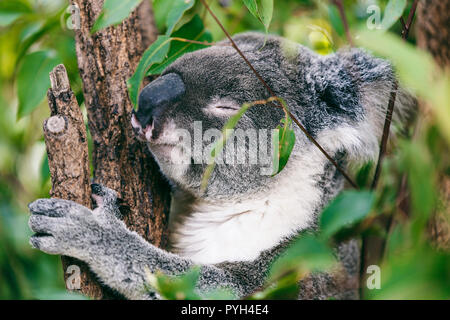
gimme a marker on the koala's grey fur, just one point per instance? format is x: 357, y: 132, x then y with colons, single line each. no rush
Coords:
x: 341, y: 99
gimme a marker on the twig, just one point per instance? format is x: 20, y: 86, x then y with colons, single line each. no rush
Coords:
x: 390, y: 110
x: 402, y: 21
x: 369, y: 243
x: 412, y: 13
x: 385, y: 137
x: 302, y: 128
x: 204, y: 43
x: 340, y: 6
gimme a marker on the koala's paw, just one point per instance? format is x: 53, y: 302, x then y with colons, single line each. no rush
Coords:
x: 106, y: 201
x: 61, y: 226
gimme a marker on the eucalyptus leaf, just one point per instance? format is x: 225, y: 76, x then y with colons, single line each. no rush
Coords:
x: 405, y: 58
x: 252, y: 6
x: 392, y: 13
x: 266, y: 12
x: 425, y: 81
x: 33, y: 80
x: 416, y: 161
x: 114, y: 12
x: 194, y: 30
x: 262, y: 10
x: 156, y: 53
x: 307, y: 253
x: 336, y: 21
x: 285, y: 143
x: 179, y: 287
x: 179, y: 7
x: 220, y: 144
x: 161, y: 10
x: 10, y: 11
x: 348, y: 208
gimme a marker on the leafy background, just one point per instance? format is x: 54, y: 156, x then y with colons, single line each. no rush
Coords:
x: 34, y: 38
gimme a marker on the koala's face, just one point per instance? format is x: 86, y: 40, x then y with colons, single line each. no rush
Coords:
x: 182, y: 113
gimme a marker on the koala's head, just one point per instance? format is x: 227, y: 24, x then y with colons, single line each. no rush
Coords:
x: 340, y: 99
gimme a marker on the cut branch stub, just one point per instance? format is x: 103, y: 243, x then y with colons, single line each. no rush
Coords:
x: 67, y: 150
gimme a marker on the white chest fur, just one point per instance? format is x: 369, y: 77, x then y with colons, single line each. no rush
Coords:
x: 241, y: 230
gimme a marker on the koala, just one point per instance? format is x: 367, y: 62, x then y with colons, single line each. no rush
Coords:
x: 243, y: 220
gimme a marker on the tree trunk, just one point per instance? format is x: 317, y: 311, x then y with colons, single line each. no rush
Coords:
x: 433, y: 35
x: 433, y: 29
x: 106, y: 60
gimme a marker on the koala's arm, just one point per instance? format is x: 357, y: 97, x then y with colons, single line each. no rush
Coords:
x: 118, y: 256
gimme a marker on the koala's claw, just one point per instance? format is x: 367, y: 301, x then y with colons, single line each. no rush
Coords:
x: 106, y: 199
x: 102, y: 191
x: 103, y: 195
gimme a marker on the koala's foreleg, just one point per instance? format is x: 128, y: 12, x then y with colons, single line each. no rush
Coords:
x: 117, y: 255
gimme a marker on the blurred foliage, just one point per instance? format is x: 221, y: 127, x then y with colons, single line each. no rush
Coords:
x: 33, y: 39
x: 34, y: 36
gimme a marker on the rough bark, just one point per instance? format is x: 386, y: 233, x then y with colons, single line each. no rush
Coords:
x: 68, y: 159
x: 433, y: 29
x: 433, y: 35
x: 106, y: 60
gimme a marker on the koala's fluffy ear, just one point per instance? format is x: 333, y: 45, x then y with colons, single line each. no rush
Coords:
x: 358, y: 86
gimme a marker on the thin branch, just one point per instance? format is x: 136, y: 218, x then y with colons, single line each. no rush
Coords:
x: 302, y: 128
x: 204, y: 43
x: 412, y: 13
x: 367, y: 257
x: 402, y: 21
x: 390, y: 110
x: 385, y: 137
x: 340, y: 6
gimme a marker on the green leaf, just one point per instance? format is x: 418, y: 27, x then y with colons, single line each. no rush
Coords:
x: 305, y: 254
x: 161, y: 10
x: 220, y: 144
x: 179, y: 7
x: 405, y: 59
x: 285, y: 139
x: 426, y: 81
x: 193, y: 30
x: 156, y: 53
x: 348, y: 208
x: 392, y: 13
x: 252, y: 6
x: 10, y: 11
x: 178, y: 287
x: 416, y: 161
x: 286, y: 288
x: 219, y: 294
x: 262, y: 10
x: 34, y: 33
x: 33, y: 80
x: 335, y: 20
x: 45, y: 170
x: 431, y: 276
x: 114, y: 12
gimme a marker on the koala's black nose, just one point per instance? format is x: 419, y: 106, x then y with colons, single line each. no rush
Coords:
x: 157, y: 95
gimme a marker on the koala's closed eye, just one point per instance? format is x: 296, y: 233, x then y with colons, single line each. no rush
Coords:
x: 226, y: 108
x: 223, y: 108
